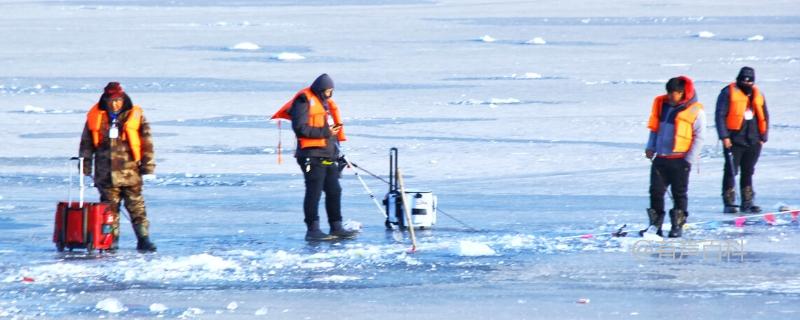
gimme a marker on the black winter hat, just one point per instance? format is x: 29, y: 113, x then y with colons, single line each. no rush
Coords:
x: 746, y: 74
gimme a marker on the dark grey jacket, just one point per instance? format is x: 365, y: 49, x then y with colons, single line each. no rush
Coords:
x: 745, y: 136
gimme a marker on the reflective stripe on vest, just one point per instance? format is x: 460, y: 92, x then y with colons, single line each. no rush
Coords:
x: 684, y: 123
x: 316, y: 117
x: 97, y: 122
x: 737, y: 104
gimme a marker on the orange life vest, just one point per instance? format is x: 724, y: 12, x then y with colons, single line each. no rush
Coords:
x: 738, y: 104
x: 97, y: 121
x: 684, y: 122
x: 316, y: 117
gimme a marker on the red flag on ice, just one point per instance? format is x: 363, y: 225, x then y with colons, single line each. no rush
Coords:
x: 769, y: 218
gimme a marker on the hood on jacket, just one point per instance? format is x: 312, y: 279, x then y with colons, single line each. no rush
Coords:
x: 322, y: 83
x: 688, y: 90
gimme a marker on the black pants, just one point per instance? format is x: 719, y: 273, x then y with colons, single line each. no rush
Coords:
x: 744, y: 160
x: 321, y: 176
x: 673, y: 173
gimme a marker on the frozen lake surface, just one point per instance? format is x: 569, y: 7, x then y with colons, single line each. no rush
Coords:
x: 527, y: 120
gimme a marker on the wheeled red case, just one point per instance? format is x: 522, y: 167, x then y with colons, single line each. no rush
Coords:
x: 87, y: 227
x: 82, y: 225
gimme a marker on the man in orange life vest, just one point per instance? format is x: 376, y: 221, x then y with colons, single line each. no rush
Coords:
x: 677, y: 123
x: 742, y: 124
x: 317, y: 124
x: 117, y: 138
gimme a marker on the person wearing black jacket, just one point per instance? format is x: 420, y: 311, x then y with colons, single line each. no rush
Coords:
x: 742, y: 123
x: 318, y: 127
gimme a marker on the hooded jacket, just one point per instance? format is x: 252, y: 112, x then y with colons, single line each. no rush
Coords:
x: 676, y: 131
x: 115, y: 160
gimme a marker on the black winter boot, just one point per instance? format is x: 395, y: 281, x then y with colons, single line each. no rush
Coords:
x: 729, y: 200
x: 747, y: 201
x: 656, y: 220
x: 143, y: 239
x: 338, y: 231
x: 315, y: 234
x: 678, y: 218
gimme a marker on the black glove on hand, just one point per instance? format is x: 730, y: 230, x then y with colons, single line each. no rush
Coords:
x: 341, y: 162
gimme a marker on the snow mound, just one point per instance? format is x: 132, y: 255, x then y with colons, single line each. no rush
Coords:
x: 527, y: 75
x: 625, y: 81
x: 705, y: 34
x: 191, y: 313
x: 651, y: 236
x: 336, y: 279
x: 232, y: 306
x: 262, y: 311
x: 288, y: 56
x: 757, y: 37
x: 504, y: 101
x: 158, y: 308
x: 317, y: 265
x: 537, y: 41
x: 352, y: 225
x: 245, y: 46
x: 32, y: 109
x: 473, y: 249
x: 40, y: 110
x: 493, y: 102
x: 110, y: 305
x: 487, y: 38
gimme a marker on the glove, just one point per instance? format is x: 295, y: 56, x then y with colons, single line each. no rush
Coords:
x: 342, y: 163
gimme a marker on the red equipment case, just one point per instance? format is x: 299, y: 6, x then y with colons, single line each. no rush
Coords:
x: 83, y: 225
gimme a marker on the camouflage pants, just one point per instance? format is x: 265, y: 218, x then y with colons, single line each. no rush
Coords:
x: 134, y: 203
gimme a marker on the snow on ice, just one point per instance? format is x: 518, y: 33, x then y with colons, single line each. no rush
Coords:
x: 158, y: 308
x: 705, y: 34
x: 473, y: 249
x: 110, y: 305
x: 537, y: 41
x: 493, y: 102
x: 336, y: 278
x: 487, y: 38
x: 289, y: 56
x: 527, y: 75
x: 262, y: 311
x: 556, y: 155
x: 247, y: 46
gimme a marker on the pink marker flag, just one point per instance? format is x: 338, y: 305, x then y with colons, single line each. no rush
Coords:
x: 769, y: 218
x: 587, y: 236
x: 739, y: 222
